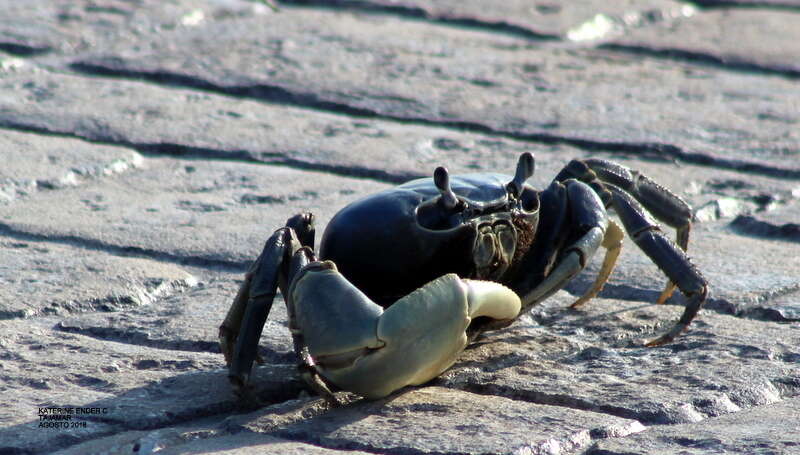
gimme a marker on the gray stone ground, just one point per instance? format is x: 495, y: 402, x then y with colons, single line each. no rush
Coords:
x: 149, y: 148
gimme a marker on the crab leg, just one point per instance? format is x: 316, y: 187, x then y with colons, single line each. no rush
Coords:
x: 588, y: 214
x: 244, y: 322
x: 305, y: 362
x: 263, y: 286
x: 612, y: 242
x: 229, y: 329
x: 665, y: 205
x: 665, y: 254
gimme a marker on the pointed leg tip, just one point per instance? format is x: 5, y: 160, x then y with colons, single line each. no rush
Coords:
x: 660, y: 341
x: 668, y: 337
x: 578, y: 303
x: 238, y: 384
x: 315, y: 382
x: 666, y: 294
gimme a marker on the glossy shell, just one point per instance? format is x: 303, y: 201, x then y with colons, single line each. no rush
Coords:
x: 380, y: 246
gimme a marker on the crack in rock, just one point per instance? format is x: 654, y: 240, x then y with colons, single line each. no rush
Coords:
x: 748, y: 224
x: 90, y: 244
x: 727, y: 63
x: 37, y: 162
x: 286, y: 96
x: 45, y: 278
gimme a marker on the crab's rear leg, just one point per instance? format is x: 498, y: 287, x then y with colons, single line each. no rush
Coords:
x: 665, y: 205
x: 672, y: 260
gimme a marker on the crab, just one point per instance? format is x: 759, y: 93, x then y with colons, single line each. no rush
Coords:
x: 407, y: 277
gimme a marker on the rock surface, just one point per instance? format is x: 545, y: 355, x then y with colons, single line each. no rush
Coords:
x: 442, y: 421
x: 744, y: 39
x: 768, y: 429
x: 483, y: 82
x: 149, y: 148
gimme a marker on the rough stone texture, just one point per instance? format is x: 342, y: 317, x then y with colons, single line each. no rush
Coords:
x: 482, y: 82
x: 748, y: 39
x: 254, y: 444
x: 576, y: 21
x: 38, y: 278
x: 202, y: 439
x: 219, y: 212
x: 184, y: 322
x: 141, y: 387
x: 187, y: 123
x: 150, y: 147
x: 441, y: 421
x: 38, y: 163
x: 65, y: 26
x: 769, y: 429
x: 593, y: 359
x: 780, y: 224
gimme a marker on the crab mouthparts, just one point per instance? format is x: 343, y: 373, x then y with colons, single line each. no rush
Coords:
x: 493, y: 250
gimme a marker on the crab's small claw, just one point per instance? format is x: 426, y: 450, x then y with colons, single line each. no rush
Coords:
x: 361, y: 348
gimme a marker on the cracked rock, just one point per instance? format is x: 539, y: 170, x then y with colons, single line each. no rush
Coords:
x: 781, y: 224
x: 185, y: 322
x: 66, y: 26
x: 436, y: 420
x: 190, y: 211
x: 525, y: 91
x: 160, y: 121
x: 140, y: 387
x: 38, y: 278
x: 33, y: 162
x: 196, y: 439
x: 550, y: 20
x: 769, y: 429
x: 746, y: 39
x: 593, y: 358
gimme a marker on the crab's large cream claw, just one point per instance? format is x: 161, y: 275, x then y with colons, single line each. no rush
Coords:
x: 361, y: 348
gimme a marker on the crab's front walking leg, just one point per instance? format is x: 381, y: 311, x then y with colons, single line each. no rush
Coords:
x: 260, y: 292
x: 244, y: 322
x: 359, y: 347
x: 671, y: 259
x: 589, y: 222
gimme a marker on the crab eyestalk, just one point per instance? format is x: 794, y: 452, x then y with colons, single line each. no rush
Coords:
x: 525, y: 167
x: 441, y: 178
